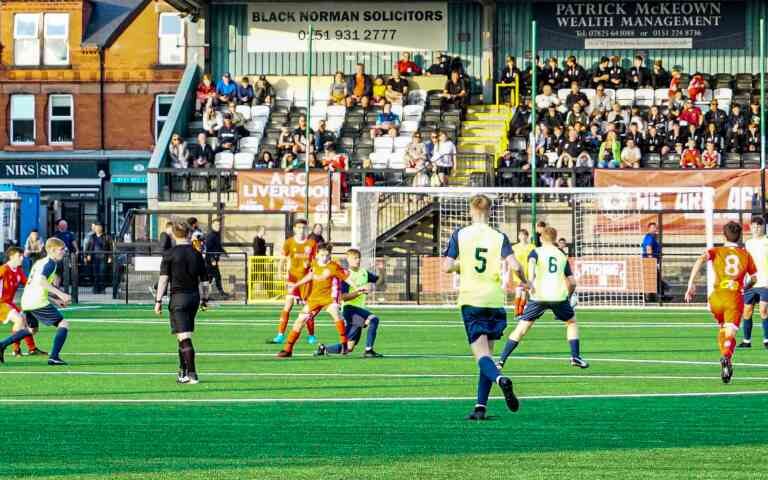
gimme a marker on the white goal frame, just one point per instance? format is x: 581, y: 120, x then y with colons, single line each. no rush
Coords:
x: 707, y: 194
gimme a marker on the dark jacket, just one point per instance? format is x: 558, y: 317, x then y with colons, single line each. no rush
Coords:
x: 368, y: 85
x: 259, y: 247
x: 165, y: 242
x: 201, y: 156
x: 643, y: 77
x: 213, y: 246
x: 244, y: 93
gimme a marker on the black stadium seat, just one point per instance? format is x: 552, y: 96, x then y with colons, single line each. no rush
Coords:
x: 732, y: 160
x: 518, y: 144
x: 751, y: 160
x: 671, y: 160
x: 652, y: 160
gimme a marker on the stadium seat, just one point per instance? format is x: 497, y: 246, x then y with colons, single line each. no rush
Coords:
x: 409, y: 127
x: 611, y: 94
x: 314, y: 121
x: 383, y: 144
x: 244, y: 160
x: 652, y: 160
x: 213, y: 142
x: 250, y: 142
x: 397, y: 159
x: 412, y: 113
x: 660, y: 96
x: 400, y: 143
x: 625, y: 97
x: 256, y: 125
x: 300, y: 99
x: 589, y: 92
x: 644, y: 97
x: 671, y: 160
x: 722, y: 94
x: 732, y: 160
x: 417, y: 97
x: 380, y: 159
x: 336, y: 111
x: 244, y: 110
x: 398, y: 110
x: 335, y: 124
x: 321, y: 95
x: 518, y: 144
x: 224, y: 160
x: 562, y: 94
x: 750, y: 160
x: 319, y: 108
x: 260, y: 111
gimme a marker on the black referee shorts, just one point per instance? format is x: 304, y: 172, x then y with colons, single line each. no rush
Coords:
x: 183, y: 309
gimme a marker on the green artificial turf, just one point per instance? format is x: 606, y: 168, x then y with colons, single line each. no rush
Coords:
x: 117, y: 413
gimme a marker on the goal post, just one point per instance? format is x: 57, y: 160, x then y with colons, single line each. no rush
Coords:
x: 602, y: 227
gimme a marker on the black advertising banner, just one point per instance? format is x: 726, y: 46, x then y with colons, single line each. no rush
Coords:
x: 643, y: 25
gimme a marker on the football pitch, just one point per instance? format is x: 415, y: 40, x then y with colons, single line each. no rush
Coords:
x: 651, y: 405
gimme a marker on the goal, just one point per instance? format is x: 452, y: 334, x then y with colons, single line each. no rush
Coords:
x: 603, y: 229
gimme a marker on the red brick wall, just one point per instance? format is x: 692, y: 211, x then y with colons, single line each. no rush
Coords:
x: 129, y: 115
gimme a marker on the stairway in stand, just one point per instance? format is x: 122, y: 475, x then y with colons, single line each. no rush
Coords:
x: 483, y: 132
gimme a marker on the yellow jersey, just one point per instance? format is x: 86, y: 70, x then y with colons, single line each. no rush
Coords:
x: 480, y: 251
x: 521, y: 253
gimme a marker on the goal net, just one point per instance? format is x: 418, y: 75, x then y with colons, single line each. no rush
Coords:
x: 601, y: 231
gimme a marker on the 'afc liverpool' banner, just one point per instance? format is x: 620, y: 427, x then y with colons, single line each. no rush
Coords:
x: 348, y: 26
x: 734, y: 190
x: 285, y: 191
x: 640, y: 24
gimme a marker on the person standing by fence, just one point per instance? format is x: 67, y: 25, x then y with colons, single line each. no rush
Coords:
x: 214, y: 249
x: 98, y: 248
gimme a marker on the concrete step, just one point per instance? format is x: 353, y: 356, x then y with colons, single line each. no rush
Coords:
x: 483, y: 124
x: 486, y: 117
x: 481, y: 132
x: 481, y: 140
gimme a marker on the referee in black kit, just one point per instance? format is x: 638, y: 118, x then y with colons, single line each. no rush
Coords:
x: 184, y: 269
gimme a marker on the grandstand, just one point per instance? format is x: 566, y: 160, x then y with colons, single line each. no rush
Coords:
x: 377, y: 122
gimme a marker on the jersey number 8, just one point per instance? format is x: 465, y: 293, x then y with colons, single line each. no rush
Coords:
x: 732, y: 265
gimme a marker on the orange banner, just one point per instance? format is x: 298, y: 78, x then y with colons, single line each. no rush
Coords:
x: 285, y: 191
x: 735, y: 190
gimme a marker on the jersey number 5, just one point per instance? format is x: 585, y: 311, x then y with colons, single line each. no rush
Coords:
x: 480, y: 257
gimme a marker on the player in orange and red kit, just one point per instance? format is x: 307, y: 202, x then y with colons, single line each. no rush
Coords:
x: 11, y: 277
x: 299, y: 251
x: 325, y: 294
x: 731, y: 264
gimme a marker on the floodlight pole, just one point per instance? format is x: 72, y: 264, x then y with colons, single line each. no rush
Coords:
x: 308, y: 63
x: 532, y: 136
x: 762, y: 95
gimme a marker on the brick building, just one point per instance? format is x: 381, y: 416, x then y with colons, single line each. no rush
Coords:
x: 84, y: 88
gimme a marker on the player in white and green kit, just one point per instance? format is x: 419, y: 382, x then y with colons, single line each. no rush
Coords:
x: 553, y: 285
x: 479, y: 254
x: 354, y: 293
x: 757, y: 246
x: 36, y: 304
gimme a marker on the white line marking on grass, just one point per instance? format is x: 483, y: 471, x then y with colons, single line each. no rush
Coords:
x: 372, y: 375
x: 391, y: 324
x: 364, y: 399
x: 82, y: 307
x: 434, y: 356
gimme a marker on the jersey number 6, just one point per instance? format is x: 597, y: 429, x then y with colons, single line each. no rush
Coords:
x: 480, y: 257
x: 552, y: 265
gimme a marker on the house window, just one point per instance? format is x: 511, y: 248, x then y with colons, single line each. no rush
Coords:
x: 162, y: 108
x: 26, y: 42
x: 60, y: 115
x: 56, y: 36
x: 29, y: 38
x: 22, y: 119
x: 171, y: 34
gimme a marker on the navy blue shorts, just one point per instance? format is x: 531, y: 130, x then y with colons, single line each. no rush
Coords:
x: 48, y: 315
x: 355, y: 318
x: 755, y: 295
x: 534, y: 310
x: 480, y: 321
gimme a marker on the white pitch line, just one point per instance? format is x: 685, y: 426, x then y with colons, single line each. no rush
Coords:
x: 364, y: 399
x: 395, y: 324
x: 435, y: 356
x: 374, y: 375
